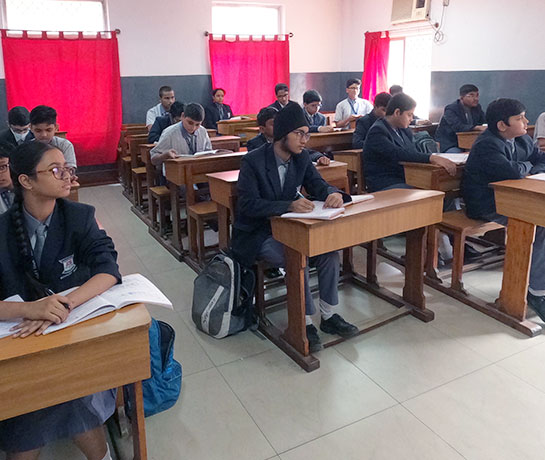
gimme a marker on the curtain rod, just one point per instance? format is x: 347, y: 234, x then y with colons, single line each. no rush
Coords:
x: 116, y: 31
x: 206, y: 34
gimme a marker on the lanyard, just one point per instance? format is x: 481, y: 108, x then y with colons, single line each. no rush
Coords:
x: 353, y: 106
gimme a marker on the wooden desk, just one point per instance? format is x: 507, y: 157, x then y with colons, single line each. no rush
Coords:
x: 249, y: 133
x: 522, y: 201
x: 96, y: 355
x: 74, y: 194
x: 226, y: 142
x: 466, y: 139
x: 430, y: 128
x: 223, y: 190
x: 330, y: 142
x: 432, y: 177
x: 233, y: 127
x: 389, y: 213
x: 212, y: 133
x: 353, y: 159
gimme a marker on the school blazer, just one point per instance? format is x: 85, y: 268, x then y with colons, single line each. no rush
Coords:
x: 363, y: 125
x: 491, y: 160
x: 159, y: 125
x: 454, y: 121
x: 383, y: 151
x: 75, y: 250
x: 8, y: 137
x: 212, y: 115
x: 261, y: 197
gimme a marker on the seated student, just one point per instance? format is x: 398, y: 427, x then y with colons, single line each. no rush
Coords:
x: 312, y: 101
x: 504, y: 152
x: 364, y: 123
x: 217, y: 110
x: 265, y: 120
x: 184, y: 138
x: 43, y: 124
x: 6, y: 186
x: 395, y: 89
x: 166, y: 96
x: 389, y: 142
x: 465, y: 114
x: 353, y: 107
x: 282, y: 96
x: 174, y: 115
x: 41, y: 229
x: 19, y: 127
x: 268, y: 184
x: 539, y: 133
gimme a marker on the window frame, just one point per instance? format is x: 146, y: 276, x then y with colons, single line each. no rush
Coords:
x: 280, y: 8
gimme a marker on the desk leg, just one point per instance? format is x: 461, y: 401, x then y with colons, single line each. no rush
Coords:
x: 175, y: 214
x: 223, y: 226
x: 516, y: 268
x: 138, y: 423
x: 413, y: 291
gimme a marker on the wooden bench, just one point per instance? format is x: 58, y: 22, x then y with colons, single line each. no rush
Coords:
x: 330, y: 142
x: 353, y: 158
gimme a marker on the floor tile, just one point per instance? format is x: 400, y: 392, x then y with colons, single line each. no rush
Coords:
x: 489, y: 414
x: 529, y: 365
x: 177, y: 285
x: 155, y: 257
x: 391, y: 434
x: 408, y: 357
x: 291, y: 406
x: 207, y: 423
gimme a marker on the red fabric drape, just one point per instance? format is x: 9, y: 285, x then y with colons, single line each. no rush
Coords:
x: 375, y: 64
x: 79, y: 77
x: 248, y: 70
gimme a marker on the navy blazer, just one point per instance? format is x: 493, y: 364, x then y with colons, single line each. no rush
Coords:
x: 74, y: 251
x: 261, y: 197
x: 383, y: 151
x: 491, y: 160
x: 315, y: 121
x: 277, y: 105
x: 8, y: 137
x: 363, y: 125
x: 159, y: 125
x: 212, y: 115
x: 454, y: 121
x: 256, y: 142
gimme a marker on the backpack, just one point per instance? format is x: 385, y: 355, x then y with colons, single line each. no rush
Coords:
x: 162, y: 389
x: 425, y: 143
x: 223, y: 297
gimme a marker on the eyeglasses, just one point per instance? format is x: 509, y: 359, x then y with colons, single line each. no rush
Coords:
x: 301, y: 134
x: 4, y: 168
x: 58, y: 172
x: 353, y: 87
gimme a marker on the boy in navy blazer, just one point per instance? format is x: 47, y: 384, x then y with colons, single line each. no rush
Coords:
x: 282, y: 93
x: 269, y: 182
x: 465, y: 114
x: 503, y: 152
x: 312, y: 101
x: 217, y: 110
x: 19, y: 127
x: 363, y: 125
x: 173, y: 116
x: 389, y: 142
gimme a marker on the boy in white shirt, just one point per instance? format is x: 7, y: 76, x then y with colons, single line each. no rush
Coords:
x: 353, y: 107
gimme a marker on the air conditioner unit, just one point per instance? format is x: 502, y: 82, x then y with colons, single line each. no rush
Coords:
x: 410, y: 10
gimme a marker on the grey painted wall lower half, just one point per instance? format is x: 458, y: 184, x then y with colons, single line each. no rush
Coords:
x: 528, y: 86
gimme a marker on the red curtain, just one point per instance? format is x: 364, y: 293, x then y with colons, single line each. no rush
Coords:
x: 375, y: 64
x: 79, y: 78
x: 248, y: 70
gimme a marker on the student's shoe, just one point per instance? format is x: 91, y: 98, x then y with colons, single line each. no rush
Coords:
x: 337, y: 325
x: 272, y: 273
x: 470, y: 253
x: 314, y: 342
x: 537, y: 303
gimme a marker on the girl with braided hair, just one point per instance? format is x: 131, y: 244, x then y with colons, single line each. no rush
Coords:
x: 50, y: 244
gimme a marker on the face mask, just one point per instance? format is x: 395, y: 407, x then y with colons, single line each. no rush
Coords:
x: 20, y: 137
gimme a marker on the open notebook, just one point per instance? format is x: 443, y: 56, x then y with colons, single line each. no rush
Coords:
x: 321, y: 213
x: 540, y: 176
x: 458, y: 158
x: 134, y: 289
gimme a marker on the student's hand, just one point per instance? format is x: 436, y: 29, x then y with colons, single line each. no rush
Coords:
x: 334, y: 200
x: 354, y: 117
x: 479, y: 128
x: 323, y: 160
x: 27, y: 327
x: 325, y: 129
x: 301, y: 205
x: 450, y: 166
x: 74, y: 181
x: 171, y: 154
x: 49, y: 308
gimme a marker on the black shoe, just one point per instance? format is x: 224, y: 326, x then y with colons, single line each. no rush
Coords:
x: 470, y: 253
x: 314, y: 342
x: 337, y: 325
x: 537, y: 303
x: 272, y: 273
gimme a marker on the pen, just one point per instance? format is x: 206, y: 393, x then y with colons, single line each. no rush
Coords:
x: 299, y: 195
x: 50, y: 292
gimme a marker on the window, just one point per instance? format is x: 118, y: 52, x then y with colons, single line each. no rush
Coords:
x: 65, y: 15
x: 409, y: 65
x: 245, y: 19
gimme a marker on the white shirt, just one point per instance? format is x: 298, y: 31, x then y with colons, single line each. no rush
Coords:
x: 156, y: 111
x: 67, y: 149
x: 540, y: 127
x: 344, y: 109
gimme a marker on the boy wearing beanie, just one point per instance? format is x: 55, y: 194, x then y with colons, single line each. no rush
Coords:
x: 269, y: 182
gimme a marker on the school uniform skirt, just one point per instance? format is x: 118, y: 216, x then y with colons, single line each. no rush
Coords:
x: 36, y: 429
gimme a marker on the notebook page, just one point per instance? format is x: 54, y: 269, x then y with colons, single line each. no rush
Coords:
x: 319, y: 212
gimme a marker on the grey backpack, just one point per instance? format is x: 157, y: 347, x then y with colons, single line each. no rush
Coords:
x: 223, y: 297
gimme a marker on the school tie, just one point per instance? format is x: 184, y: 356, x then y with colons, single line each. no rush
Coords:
x: 6, y: 198
x: 40, y: 241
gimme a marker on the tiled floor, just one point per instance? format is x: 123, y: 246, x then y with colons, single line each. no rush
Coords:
x: 462, y: 386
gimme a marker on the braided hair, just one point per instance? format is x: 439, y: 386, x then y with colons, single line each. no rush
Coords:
x: 24, y: 160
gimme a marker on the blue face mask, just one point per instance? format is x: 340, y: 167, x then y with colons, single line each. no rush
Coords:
x: 20, y: 137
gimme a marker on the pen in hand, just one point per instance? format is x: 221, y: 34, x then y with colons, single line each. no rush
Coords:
x: 50, y: 292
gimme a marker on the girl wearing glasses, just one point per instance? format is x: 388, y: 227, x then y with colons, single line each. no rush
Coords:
x: 51, y: 244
